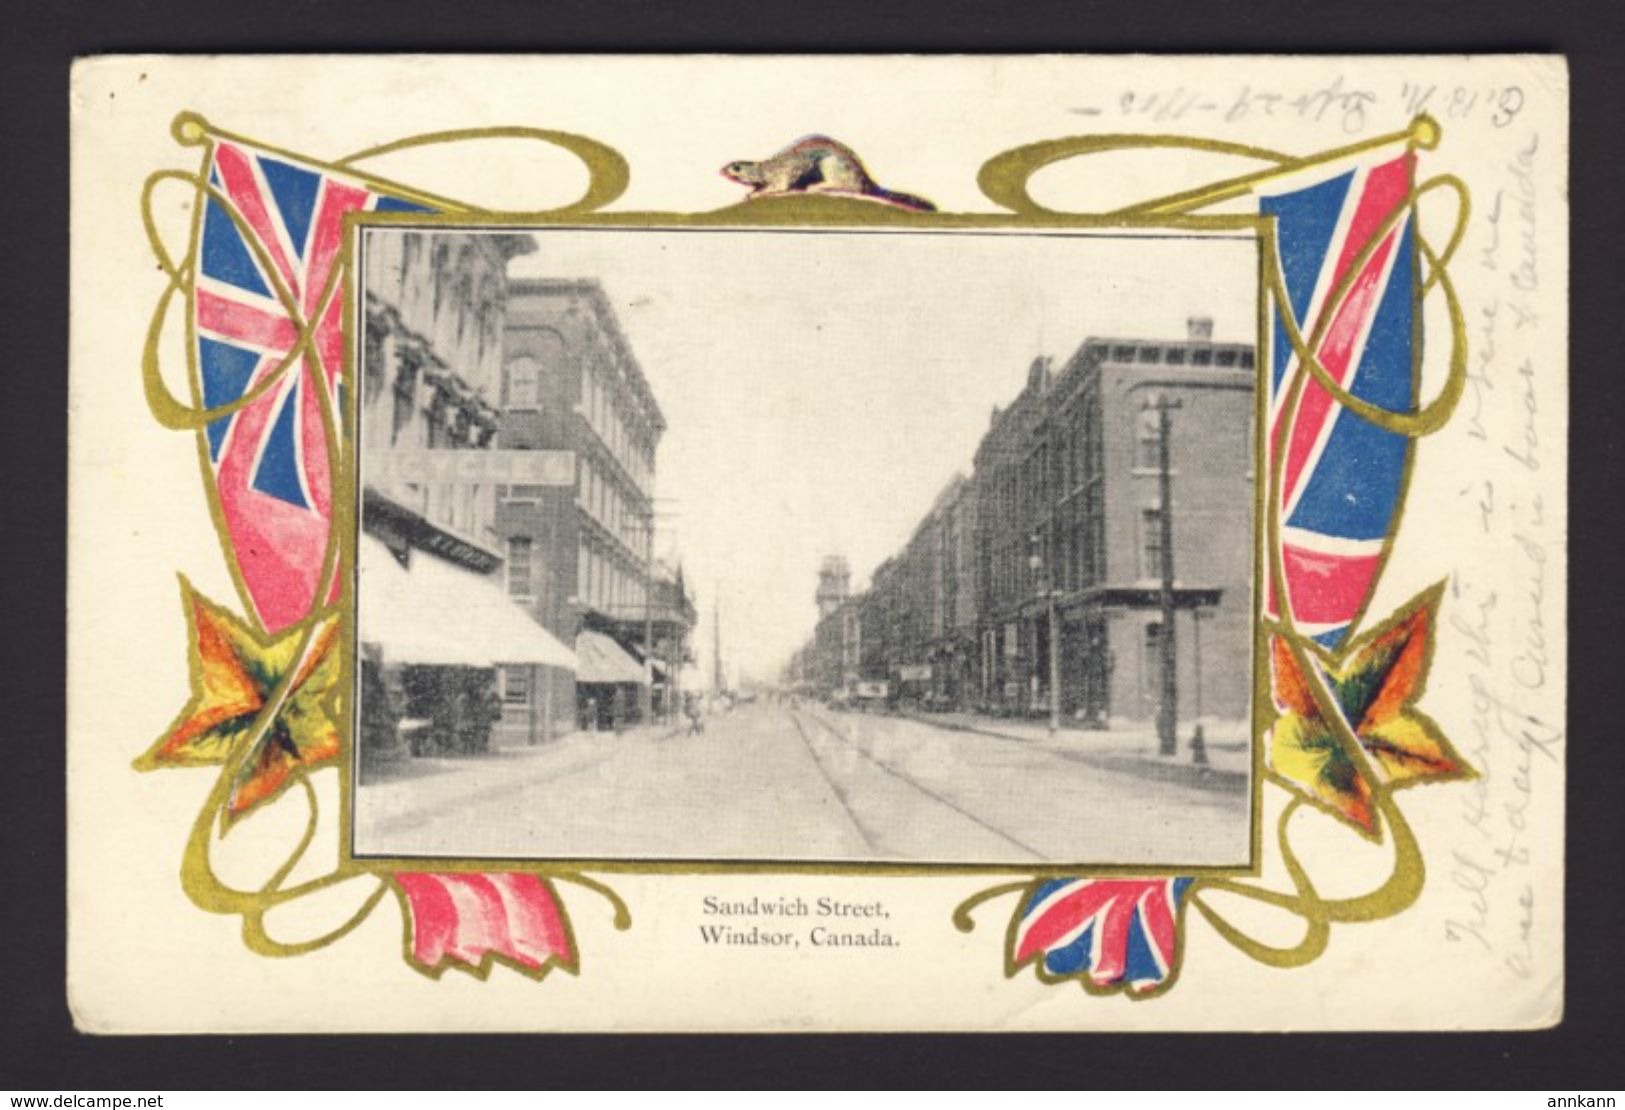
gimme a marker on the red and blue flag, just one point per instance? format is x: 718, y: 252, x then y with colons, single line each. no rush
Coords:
x: 272, y: 228
x: 1342, y: 476
x: 1115, y: 931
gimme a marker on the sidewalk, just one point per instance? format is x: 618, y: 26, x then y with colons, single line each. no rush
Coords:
x: 1133, y: 751
x: 450, y: 780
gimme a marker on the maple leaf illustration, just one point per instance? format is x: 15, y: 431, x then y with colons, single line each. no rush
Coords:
x: 1374, y: 689
x: 234, y: 674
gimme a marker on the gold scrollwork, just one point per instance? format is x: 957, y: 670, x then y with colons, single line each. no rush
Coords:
x: 202, y: 884
x: 1005, y: 180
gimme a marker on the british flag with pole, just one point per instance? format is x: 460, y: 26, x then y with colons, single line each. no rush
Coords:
x: 1346, y: 253
x: 267, y: 330
x: 1343, y: 344
x: 267, y: 324
x: 1342, y: 334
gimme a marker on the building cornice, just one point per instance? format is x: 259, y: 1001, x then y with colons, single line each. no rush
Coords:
x: 591, y: 290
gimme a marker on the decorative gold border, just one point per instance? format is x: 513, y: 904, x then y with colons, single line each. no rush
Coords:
x: 806, y: 211
x: 1003, y: 179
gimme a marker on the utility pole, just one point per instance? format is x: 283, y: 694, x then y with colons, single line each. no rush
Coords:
x: 1054, y: 665
x: 1046, y: 585
x: 1168, y: 711
x: 646, y: 698
x: 716, y: 641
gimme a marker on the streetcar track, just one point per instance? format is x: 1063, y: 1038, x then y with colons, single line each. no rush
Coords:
x: 909, y: 780
x: 864, y: 831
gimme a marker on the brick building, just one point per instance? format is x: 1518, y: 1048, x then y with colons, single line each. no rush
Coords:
x: 954, y: 653
x: 434, y: 622
x: 1062, y: 514
x: 581, y: 557
x: 1098, y: 525
x: 1011, y: 466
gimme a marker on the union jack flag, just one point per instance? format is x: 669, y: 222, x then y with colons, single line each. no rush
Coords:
x: 269, y: 459
x: 1342, y: 475
x: 1116, y: 931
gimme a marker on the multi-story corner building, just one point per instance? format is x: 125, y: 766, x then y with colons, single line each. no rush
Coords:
x: 1081, y: 527
x: 1063, y: 520
x: 434, y: 621
x: 585, y: 552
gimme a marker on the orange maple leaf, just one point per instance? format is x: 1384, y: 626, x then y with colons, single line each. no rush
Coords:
x: 234, y: 675
x: 1373, y: 689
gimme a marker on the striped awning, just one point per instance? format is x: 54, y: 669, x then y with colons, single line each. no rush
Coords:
x: 601, y: 659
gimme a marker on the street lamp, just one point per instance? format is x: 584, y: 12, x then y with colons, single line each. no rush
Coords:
x: 1168, y: 710
x: 1198, y: 741
x: 646, y: 698
x: 1036, y: 561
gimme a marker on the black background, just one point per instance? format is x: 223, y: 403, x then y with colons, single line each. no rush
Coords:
x: 39, y: 1049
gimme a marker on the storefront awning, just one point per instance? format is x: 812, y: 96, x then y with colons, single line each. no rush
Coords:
x: 438, y: 614
x: 600, y: 659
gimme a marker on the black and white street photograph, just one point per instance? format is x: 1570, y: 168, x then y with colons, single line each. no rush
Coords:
x: 858, y: 547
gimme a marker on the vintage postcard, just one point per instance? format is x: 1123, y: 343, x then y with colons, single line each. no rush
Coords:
x: 785, y: 544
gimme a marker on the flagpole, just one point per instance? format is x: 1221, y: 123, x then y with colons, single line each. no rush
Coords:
x: 191, y: 129
x: 607, y: 171
x: 1423, y: 133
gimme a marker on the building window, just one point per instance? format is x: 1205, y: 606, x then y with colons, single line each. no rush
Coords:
x: 524, y: 383
x: 1176, y: 356
x: 515, y: 682
x: 1246, y: 360
x: 519, y: 576
x: 1150, y: 354
x: 1151, y: 543
x: 1148, y: 440
x: 1227, y: 358
x: 1202, y: 357
x: 1123, y: 354
x: 520, y: 494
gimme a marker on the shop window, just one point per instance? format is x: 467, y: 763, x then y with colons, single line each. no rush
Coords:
x: 515, y: 681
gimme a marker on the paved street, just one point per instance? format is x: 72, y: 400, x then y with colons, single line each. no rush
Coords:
x: 767, y: 782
